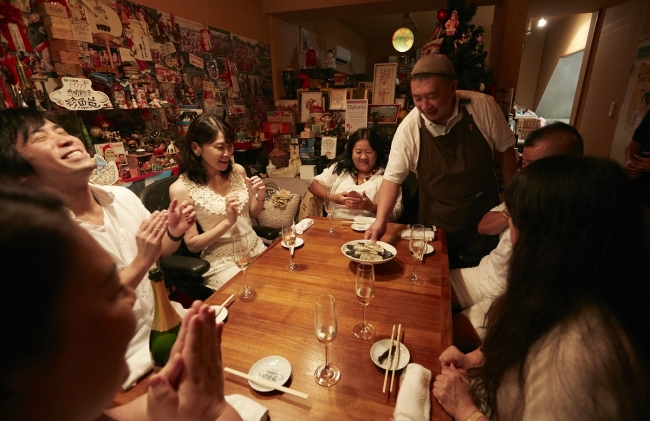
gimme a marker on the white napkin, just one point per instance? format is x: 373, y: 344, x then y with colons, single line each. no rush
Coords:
x: 406, y: 234
x: 364, y: 219
x: 248, y: 409
x: 303, y: 225
x: 414, y: 398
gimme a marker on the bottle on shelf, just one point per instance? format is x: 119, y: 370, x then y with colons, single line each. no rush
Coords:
x: 166, y: 322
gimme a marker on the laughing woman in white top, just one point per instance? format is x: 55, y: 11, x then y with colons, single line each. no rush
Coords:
x: 354, y: 178
x: 225, y: 199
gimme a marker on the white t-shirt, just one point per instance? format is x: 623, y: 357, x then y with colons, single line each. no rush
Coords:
x: 405, y: 149
x: 123, y: 214
x: 345, y: 183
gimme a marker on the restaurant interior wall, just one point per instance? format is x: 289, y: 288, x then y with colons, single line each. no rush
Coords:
x: 242, y: 17
x: 531, y: 60
x: 285, y: 47
x: 565, y: 36
x: 612, y: 53
x: 380, y: 50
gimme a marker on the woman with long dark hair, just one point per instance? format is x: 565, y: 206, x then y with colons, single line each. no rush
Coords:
x: 353, y: 179
x: 567, y: 339
x: 223, y: 196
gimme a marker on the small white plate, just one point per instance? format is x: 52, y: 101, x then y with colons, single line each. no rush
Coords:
x: 274, y: 369
x: 299, y: 242
x: 429, y: 249
x: 382, y: 346
x: 221, y: 316
x: 360, y: 226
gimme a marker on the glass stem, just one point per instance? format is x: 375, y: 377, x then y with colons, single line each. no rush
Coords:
x: 364, y: 317
x: 327, y: 359
x: 330, y: 218
x: 415, y: 262
x: 290, y: 259
x: 245, y: 280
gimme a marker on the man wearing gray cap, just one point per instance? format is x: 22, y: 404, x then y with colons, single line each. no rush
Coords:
x: 450, y: 141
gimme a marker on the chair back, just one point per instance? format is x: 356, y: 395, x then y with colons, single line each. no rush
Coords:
x: 155, y: 196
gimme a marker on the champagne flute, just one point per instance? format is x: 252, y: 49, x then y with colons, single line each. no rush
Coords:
x: 365, y: 287
x: 242, y: 256
x: 289, y: 238
x: 417, y: 245
x: 330, y: 206
x: 326, y: 329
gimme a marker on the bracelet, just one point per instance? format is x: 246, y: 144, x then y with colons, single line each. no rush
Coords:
x: 258, y: 198
x: 174, y: 239
x: 475, y: 416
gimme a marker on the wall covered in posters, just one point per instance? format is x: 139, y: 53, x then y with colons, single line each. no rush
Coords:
x: 179, y: 61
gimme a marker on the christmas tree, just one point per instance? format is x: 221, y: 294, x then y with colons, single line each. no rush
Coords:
x: 463, y: 44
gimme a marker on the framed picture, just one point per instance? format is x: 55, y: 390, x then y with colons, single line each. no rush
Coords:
x: 309, y: 99
x: 338, y: 97
x: 304, y: 39
x: 317, y: 129
x: 383, y: 89
x: 379, y: 113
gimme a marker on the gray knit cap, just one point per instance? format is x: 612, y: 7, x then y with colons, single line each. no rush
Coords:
x: 438, y: 64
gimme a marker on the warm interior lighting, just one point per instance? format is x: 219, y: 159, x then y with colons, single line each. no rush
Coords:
x: 403, y: 38
x: 541, y: 22
x: 529, y: 27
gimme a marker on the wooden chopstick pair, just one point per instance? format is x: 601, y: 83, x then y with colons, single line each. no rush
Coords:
x: 222, y: 306
x: 266, y: 383
x: 392, y: 357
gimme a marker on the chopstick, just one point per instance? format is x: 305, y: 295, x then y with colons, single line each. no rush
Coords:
x: 399, y: 352
x: 222, y: 306
x: 347, y: 222
x: 266, y: 383
x: 390, y: 348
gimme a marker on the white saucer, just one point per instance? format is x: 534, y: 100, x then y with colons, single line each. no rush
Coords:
x: 381, y: 346
x: 429, y: 249
x: 360, y: 226
x: 221, y: 316
x: 299, y: 242
x: 274, y: 369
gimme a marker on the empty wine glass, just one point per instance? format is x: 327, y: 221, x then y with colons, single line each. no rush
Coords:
x: 289, y: 238
x: 417, y: 245
x: 365, y: 287
x: 242, y: 256
x: 330, y: 206
x: 326, y: 329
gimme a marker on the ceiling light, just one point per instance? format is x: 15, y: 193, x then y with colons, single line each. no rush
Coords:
x: 403, y: 38
x: 541, y: 22
x: 529, y: 27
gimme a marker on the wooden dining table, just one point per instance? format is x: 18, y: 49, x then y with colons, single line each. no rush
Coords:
x: 280, y: 322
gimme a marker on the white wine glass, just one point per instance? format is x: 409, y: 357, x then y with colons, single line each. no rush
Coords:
x: 289, y: 238
x: 326, y: 329
x: 365, y: 288
x: 330, y: 207
x: 417, y: 246
x: 242, y: 255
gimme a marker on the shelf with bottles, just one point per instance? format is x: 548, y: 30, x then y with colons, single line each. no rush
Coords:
x: 139, y: 141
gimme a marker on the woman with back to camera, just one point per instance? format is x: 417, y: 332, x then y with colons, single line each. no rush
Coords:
x: 567, y: 340
x: 223, y: 196
x: 70, y: 319
x: 353, y: 180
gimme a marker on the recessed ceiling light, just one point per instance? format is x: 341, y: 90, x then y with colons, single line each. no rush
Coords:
x: 541, y: 22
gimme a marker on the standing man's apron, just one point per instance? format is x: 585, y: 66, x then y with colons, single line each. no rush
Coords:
x: 458, y: 185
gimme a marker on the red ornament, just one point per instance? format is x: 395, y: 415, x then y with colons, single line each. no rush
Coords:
x: 442, y: 15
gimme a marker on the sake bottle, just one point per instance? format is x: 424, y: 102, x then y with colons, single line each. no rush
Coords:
x: 166, y: 322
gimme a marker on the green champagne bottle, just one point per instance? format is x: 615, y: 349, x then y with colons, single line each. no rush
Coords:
x: 166, y: 322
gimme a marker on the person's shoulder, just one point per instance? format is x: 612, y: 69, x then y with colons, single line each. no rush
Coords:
x: 238, y: 169
x: 474, y: 97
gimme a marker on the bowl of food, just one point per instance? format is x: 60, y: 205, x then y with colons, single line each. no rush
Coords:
x: 365, y: 251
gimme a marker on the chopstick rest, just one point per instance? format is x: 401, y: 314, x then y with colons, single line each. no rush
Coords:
x: 266, y: 383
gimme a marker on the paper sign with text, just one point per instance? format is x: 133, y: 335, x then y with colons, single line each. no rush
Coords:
x: 77, y: 94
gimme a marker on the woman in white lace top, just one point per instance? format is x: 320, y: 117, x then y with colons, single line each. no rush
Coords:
x: 354, y: 178
x: 223, y: 196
